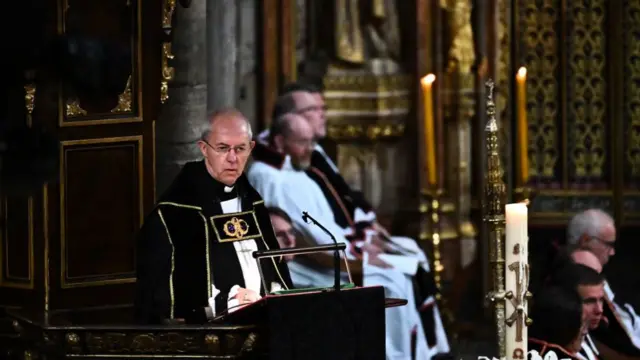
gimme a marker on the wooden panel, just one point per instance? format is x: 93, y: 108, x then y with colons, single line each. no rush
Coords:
x: 269, y: 59
x: 16, y: 243
x: 101, y: 209
x: 630, y: 128
x: 104, y: 71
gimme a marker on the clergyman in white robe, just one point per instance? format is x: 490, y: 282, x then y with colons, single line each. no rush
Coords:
x: 407, y: 258
x: 294, y: 192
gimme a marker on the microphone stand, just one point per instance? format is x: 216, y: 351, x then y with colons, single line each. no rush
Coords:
x: 336, y: 253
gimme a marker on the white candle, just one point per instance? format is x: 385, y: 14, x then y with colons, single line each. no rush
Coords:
x: 516, y: 278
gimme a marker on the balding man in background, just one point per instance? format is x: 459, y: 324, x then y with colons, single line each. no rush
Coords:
x: 594, y: 231
x: 195, y: 248
x: 586, y: 258
x: 279, y: 173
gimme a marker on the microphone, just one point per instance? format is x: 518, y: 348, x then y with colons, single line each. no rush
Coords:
x: 336, y: 254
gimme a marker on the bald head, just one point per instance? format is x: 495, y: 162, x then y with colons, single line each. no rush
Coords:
x: 593, y: 230
x: 587, y: 258
x: 226, y: 145
x: 227, y: 120
x: 291, y: 134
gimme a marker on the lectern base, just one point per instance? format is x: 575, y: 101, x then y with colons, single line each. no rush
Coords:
x: 345, y: 325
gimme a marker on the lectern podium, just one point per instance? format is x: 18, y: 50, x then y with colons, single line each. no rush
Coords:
x: 322, y: 325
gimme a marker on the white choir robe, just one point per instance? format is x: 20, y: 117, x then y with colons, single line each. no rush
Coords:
x: 294, y: 192
x: 413, y: 255
x: 249, y: 265
x: 630, y: 321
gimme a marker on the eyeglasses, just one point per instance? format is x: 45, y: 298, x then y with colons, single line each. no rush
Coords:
x: 311, y: 143
x: 608, y: 244
x: 285, y: 233
x: 312, y: 108
x: 225, y: 149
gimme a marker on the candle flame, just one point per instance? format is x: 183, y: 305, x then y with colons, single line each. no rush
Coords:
x: 522, y: 72
x: 428, y: 79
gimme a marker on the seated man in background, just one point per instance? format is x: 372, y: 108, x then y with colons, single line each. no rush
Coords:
x: 279, y: 174
x: 590, y: 286
x: 594, y: 230
x: 350, y: 209
x: 558, y: 324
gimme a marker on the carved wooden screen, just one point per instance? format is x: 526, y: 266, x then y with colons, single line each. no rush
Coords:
x: 582, y: 106
x: 73, y: 243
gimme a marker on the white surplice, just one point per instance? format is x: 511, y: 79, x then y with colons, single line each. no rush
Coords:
x: 630, y: 321
x: 294, y: 192
x: 588, y: 350
x: 412, y: 256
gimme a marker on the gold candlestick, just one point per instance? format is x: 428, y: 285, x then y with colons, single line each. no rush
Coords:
x: 494, y: 217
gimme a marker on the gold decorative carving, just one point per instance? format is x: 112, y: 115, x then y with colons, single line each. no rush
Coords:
x: 72, y: 339
x: 124, y: 99
x: 494, y: 217
x: 74, y: 109
x: 168, y: 72
x: 28, y: 355
x: 632, y: 88
x: 249, y: 343
x: 73, y: 343
x: 503, y: 72
x: 212, y: 343
x: 16, y: 327
x: 462, y: 49
x: 370, y: 131
x: 461, y: 105
x: 145, y: 343
x: 376, y: 106
x: 69, y: 102
x: 587, y: 99
x: 30, y: 101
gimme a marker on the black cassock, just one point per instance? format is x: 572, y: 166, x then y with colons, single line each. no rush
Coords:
x: 186, y: 245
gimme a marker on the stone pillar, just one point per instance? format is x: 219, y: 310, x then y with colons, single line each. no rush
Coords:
x: 222, y: 52
x: 183, y: 115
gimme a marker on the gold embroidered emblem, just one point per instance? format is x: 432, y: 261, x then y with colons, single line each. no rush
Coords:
x: 236, y: 228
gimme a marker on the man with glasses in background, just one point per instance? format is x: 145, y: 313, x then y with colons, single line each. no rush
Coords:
x: 195, y: 248
x: 594, y: 230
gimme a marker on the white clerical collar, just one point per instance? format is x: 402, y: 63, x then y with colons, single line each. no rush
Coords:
x: 228, y: 189
x: 287, y: 165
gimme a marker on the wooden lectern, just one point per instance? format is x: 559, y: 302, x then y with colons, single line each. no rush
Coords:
x: 322, y: 323
x: 347, y: 324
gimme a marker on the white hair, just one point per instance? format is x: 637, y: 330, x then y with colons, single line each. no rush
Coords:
x: 589, y: 222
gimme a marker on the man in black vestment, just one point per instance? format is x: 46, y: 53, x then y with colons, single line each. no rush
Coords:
x: 195, y: 248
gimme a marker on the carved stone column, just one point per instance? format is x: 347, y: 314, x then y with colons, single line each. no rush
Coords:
x: 184, y: 113
x: 222, y: 53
